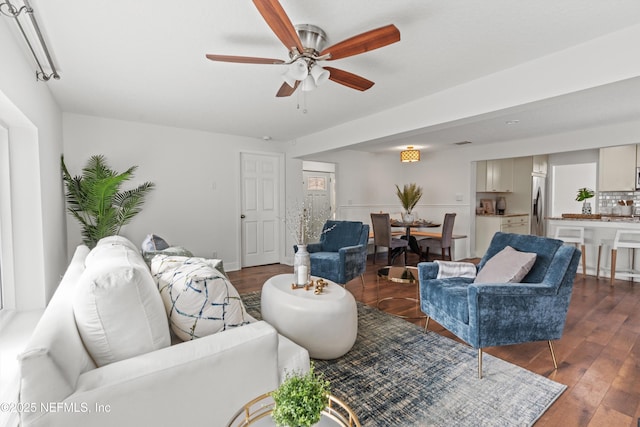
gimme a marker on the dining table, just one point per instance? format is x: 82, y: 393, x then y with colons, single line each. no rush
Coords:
x: 413, y: 242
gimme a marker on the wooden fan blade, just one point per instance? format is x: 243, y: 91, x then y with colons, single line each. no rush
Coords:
x: 280, y: 24
x: 244, y: 59
x: 364, y: 42
x: 349, y: 79
x: 286, y: 90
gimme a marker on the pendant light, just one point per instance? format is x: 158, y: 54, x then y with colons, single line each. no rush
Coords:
x: 410, y: 155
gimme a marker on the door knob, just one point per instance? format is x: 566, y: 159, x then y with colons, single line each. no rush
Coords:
x: 242, y: 216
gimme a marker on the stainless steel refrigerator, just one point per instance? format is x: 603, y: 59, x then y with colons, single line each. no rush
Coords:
x: 538, y: 205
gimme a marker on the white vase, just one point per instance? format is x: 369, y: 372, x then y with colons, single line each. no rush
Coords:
x: 407, y: 217
x: 302, y: 266
x: 586, y: 208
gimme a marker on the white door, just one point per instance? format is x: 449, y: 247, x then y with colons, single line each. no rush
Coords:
x: 260, y: 209
x: 318, y: 193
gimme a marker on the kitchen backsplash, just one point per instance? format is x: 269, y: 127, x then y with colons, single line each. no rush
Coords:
x: 608, y: 199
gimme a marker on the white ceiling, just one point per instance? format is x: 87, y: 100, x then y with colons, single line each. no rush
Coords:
x: 144, y: 60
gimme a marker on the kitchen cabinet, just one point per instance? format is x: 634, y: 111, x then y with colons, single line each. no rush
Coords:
x: 540, y: 164
x: 617, y: 168
x: 488, y: 225
x: 495, y: 176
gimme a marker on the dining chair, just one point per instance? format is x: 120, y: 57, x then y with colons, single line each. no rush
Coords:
x: 440, y: 244
x: 382, y: 237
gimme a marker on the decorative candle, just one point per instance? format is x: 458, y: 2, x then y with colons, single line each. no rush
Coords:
x: 302, y: 275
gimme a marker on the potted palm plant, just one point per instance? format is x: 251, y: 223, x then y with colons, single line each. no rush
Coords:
x: 300, y: 399
x: 583, y: 195
x: 409, y: 197
x: 96, y: 201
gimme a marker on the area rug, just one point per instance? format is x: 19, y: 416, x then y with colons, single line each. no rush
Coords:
x: 397, y: 375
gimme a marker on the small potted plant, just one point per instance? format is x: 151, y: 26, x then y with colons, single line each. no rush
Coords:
x: 300, y: 399
x: 409, y: 197
x: 583, y: 195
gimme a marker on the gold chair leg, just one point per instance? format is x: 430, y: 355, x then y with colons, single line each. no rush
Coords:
x: 598, y: 267
x: 426, y: 324
x: 553, y: 355
x: 584, y: 260
x: 479, y: 363
x: 362, y: 279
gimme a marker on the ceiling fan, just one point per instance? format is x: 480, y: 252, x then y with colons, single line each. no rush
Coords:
x: 306, y: 47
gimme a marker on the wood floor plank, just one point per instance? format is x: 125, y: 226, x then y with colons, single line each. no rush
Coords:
x: 606, y: 417
x: 598, y: 355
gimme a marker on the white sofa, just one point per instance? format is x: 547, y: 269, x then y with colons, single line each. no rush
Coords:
x: 199, y: 382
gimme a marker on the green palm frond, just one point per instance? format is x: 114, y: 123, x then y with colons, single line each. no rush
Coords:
x: 409, y: 195
x: 584, y: 194
x: 95, y: 200
x: 130, y: 202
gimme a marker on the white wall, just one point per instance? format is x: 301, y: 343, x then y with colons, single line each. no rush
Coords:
x: 565, y: 182
x: 366, y: 183
x: 196, y: 202
x: 563, y: 201
x: 33, y: 120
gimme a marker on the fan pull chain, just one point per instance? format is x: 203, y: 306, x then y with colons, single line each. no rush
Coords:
x: 304, y: 101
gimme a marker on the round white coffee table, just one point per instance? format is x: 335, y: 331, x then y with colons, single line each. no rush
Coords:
x: 325, y: 324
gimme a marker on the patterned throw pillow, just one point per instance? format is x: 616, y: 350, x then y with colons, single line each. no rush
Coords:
x: 177, y: 251
x: 199, y: 299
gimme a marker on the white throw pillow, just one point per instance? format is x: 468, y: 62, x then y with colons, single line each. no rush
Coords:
x: 114, y: 254
x: 118, y: 310
x: 199, y: 299
x: 507, y: 266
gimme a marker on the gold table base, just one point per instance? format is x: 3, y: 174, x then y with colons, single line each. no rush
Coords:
x: 262, y: 406
x: 406, y: 275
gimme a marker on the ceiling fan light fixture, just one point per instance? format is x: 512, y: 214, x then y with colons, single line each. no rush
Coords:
x: 305, y: 44
x: 297, y: 70
x: 288, y: 79
x: 319, y: 74
x: 308, y: 84
x: 410, y: 155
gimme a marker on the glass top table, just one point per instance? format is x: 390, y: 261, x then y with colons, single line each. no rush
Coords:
x: 258, y: 413
x: 403, y: 276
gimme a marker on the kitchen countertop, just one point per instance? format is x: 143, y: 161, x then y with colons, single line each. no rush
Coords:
x: 608, y: 218
x: 500, y: 216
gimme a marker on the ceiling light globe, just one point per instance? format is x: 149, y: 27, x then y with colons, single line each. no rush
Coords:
x: 298, y: 70
x: 308, y: 84
x: 288, y: 79
x: 319, y: 74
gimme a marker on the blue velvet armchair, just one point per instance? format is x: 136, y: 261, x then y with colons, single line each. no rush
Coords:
x: 494, y: 314
x: 341, y: 254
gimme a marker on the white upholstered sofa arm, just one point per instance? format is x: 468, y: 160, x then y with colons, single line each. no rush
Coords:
x: 185, y: 384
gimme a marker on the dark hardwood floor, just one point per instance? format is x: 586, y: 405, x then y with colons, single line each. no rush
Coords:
x: 598, y: 356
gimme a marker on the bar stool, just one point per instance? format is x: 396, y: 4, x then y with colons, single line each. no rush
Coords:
x: 575, y: 235
x: 625, y: 239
